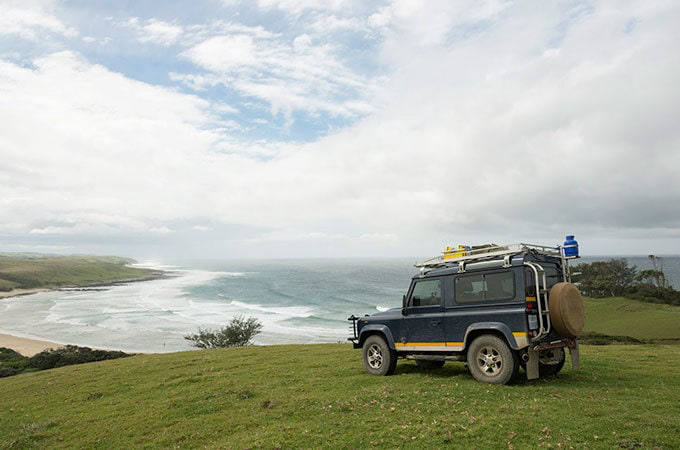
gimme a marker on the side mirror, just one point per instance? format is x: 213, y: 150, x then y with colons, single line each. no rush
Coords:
x: 403, y: 311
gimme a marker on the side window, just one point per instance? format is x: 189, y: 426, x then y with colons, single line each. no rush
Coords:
x: 469, y: 288
x: 529, y: 283
x: 552, y: 277
x: 499, y: 286
x: 426, y: 293
x: 487, y: 287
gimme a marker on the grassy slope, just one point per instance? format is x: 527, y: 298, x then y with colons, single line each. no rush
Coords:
x: 55, y: 271
x: 319, y: 395
x: 624, y: 317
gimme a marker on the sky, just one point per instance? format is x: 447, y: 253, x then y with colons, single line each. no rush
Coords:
x: 339, y: 128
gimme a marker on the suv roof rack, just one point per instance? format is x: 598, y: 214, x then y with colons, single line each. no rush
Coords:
x: 492, y: 251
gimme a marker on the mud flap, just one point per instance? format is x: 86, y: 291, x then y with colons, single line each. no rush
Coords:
x: 573, y: 352
x: 532, y: 364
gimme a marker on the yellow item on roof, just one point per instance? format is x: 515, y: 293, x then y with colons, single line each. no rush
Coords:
x: 450, y: 253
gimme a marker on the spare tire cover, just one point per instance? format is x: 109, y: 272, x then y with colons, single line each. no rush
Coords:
x: 567, y: 312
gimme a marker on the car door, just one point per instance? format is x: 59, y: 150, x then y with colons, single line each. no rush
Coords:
x: 423, y: 325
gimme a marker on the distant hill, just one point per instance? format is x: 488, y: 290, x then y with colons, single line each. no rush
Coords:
x: 30, y: 271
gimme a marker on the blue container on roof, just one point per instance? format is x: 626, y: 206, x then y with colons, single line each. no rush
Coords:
x: 570, y: 247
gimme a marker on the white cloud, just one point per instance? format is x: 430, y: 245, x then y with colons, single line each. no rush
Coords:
x: 298, y: 6
x: 297, y: 75
x: 224, y: 53
x: 30, y: 19
x: 331, y: 22
x: 160, y: 230
x: 154, y: 31
x: 100, y: 135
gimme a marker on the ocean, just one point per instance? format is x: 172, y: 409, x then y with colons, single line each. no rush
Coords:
x: 297, y: 301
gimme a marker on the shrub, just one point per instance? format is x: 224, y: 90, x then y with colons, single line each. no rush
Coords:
x: 606, y: 278
x: 7, y: 354
x: 653, y: 294
x: 653, y: 277
x: 615, y: 277
x: 238, y: 333
x: 69, y: 355
x: 12, y: 363
x: 8, y: 371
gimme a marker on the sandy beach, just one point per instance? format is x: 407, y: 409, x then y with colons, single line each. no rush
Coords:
x: 25, y: 346
x: 18, y: 292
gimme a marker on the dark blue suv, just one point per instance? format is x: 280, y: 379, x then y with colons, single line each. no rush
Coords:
x: 495, y: 307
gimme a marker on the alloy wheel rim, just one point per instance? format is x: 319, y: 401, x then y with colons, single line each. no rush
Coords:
x: 489, y: 360
x: 375, y: 356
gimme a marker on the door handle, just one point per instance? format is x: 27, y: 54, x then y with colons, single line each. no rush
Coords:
x: 434, y: 323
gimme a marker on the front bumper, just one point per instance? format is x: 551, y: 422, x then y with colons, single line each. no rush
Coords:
x: 355, y: 331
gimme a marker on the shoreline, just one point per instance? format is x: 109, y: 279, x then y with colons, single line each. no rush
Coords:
x: 26, y: 346
x: 21, y: 292
x: 32, y: 346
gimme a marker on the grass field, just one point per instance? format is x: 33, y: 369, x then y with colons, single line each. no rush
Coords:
x: 319, y: 395
x: 21, y: 272
x: 618, y: 316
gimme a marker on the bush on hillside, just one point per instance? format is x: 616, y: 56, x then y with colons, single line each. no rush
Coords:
x: 238, y: 333
x: 71, y: 354
x: 616, y: 278
x: 653, y: 294
x: 605, y: 278
x: 7, y: 354
x: 652, y: 277
x: 12, y: 363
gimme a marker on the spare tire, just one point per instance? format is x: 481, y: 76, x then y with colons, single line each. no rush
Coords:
x: 567, y: 312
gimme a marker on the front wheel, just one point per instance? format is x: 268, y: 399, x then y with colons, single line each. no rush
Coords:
x: 490, y: 360
x: 378, y: 357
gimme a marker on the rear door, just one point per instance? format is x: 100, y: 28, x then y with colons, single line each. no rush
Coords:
x: 423, y: 324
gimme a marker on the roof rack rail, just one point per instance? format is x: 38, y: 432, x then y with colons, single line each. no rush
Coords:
x: 492, y: 251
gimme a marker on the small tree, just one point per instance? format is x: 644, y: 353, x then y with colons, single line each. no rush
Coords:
x: 238, y: 333
x: 652, y: 277
x: 606, y: 278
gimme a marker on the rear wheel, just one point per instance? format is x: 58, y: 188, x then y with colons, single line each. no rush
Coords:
x: 429, y: 364
x: 550, y: 362
x: 490, y: 360
x: 378, y: 358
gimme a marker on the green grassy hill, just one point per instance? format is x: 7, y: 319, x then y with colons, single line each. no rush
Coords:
x: 616, y: 316
x: 318, y: 395
x: 31, y: 271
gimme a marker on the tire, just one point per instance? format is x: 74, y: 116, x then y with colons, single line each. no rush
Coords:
x: 567, y: 311
x: 378, y: 357
x: 429, y: 364
x: 490, y: 360
x: 551, y: 362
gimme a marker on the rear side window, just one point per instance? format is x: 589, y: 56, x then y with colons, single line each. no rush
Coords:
x: 426, y: 293
x: 486, y: 287
x: 552, y: 277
